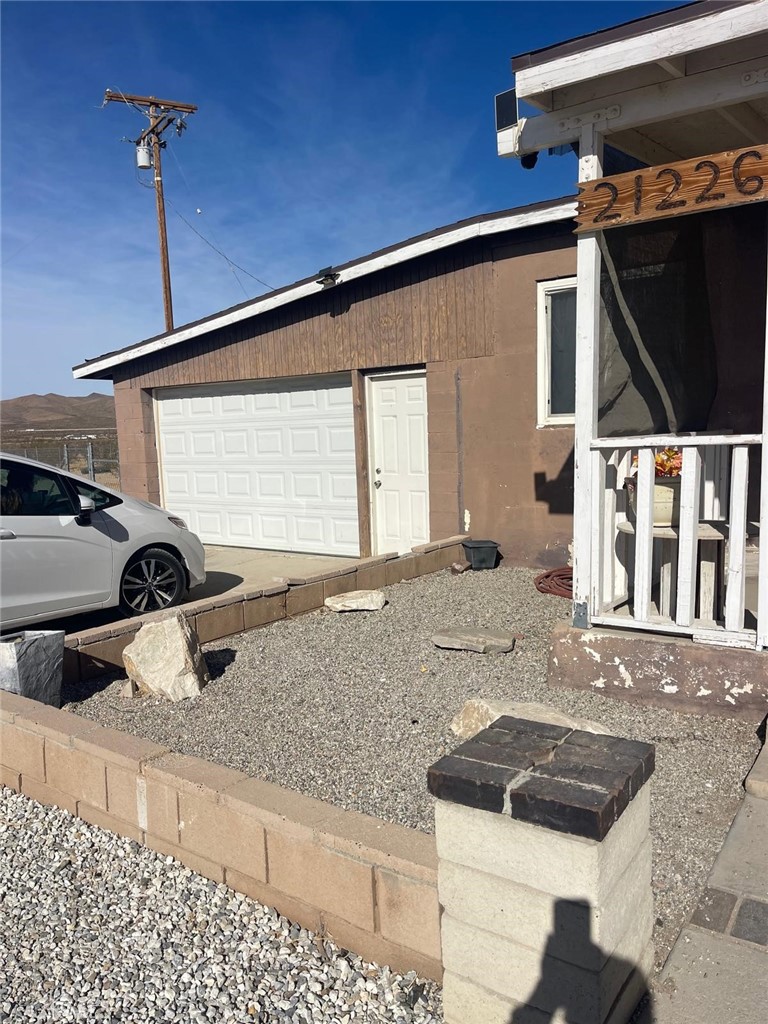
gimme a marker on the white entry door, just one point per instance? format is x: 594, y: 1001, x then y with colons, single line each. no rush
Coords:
x: 399, y: 473
x: 262, y: 464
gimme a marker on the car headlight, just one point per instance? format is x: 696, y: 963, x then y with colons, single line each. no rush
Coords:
x: 177, y: 522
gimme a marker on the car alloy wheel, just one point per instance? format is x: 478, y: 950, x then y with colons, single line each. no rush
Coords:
x: 152, y: 581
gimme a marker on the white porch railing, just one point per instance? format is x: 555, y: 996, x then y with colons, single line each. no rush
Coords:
x: 686, y: 578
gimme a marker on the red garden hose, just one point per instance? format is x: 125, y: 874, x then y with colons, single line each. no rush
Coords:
x: 558, y: 582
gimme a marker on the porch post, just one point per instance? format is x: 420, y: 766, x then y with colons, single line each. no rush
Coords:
x: 762, y: 568
x: 587, y: 354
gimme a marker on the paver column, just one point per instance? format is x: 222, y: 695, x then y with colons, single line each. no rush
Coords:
x: 544, y: 875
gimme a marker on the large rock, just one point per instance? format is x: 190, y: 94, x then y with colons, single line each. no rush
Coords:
x: 357, y: 601
x: 482, y: 641
x: 165, y: 659
x: 478, y: 713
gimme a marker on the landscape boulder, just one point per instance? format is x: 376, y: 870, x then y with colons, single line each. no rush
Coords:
x: 471, y: 638
x: 357, y: 601
x: 478, y: 713
x: 165, y: 659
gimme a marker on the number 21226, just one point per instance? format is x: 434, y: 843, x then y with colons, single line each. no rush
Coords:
x: 688, y: 186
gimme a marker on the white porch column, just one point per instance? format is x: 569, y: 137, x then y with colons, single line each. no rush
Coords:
x: 762, y: 568
x: 587, y: 353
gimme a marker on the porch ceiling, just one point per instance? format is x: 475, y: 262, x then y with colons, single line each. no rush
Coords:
x: 670, y: 92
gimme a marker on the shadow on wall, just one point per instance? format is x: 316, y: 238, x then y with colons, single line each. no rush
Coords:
x: 578, y: 978
x: 557, y: 492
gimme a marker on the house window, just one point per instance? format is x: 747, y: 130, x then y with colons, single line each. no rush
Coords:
x: 556, y: 310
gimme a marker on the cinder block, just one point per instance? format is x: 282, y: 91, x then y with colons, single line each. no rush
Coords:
x: 405, y: 851
x: 122, y: 797
x: 296, y: 911
x: 409, y: 912
x: 375, y: 948
x: 193, y: 774
x: 118, y: 748
x: 47, y: 721
x: 427, y: 562
x: 340, y: 584
x: 372, y: 577
x: 22, y: 751
x: 75, y: 772
x: 70, y: 666
x: 221, y: 835
x: 279, y: 808
x: 48, y: 795
x: 528, y: 916
x: 262, y: 610
x: 103, y: 656
x: 10, y: 778
x: 321, y: 877
x: 466, y: 1002
x: 219, y: 622
x: 203, y: 867
x: 108, y: 822
x: 157, y: 808
x: 400, y: 569
x: 304, y: 599
x: 449, y: 554
x: 532, y: 976
x: 563, y: 865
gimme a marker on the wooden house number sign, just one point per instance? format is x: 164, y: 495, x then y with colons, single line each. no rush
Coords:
x: 670, y: 190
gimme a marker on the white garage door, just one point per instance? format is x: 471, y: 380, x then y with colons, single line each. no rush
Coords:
x: 262, y: 464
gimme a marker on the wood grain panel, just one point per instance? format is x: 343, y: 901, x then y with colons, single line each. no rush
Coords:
x: 433, y: 308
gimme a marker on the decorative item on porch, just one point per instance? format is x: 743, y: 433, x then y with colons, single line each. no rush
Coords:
x: 668, y: 465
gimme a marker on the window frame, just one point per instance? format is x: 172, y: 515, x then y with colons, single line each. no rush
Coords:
x: 545, y: 418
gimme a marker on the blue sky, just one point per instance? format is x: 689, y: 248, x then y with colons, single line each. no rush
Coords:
x: 325, y: 131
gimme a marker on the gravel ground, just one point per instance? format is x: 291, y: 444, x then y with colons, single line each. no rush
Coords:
x: 98, y: 929
x: 354, y: 708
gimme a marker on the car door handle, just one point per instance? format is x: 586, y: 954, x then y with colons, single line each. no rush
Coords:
x: 7, y: 535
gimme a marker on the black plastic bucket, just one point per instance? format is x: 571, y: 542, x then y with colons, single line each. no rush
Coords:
x: 481, y: 554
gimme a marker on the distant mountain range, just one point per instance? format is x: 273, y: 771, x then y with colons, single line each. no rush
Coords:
x: 57, y: 412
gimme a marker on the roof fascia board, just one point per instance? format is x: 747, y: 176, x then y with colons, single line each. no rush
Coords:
x: 661, y: 44
x: 649, y: 104
x: 511, y: 222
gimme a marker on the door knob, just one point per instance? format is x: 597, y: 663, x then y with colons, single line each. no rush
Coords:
x: 377, y: 484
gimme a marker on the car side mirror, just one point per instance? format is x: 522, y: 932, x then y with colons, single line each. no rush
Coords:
x: 87, y: 508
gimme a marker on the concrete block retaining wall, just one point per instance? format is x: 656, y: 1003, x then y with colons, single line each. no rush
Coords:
x: 369, y: 885
x: 94, y: 651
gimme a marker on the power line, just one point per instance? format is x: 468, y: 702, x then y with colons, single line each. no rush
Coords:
x: 217, y: 250
x: 216, y: 247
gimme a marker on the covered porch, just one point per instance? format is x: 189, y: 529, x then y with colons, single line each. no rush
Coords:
x: 669, y: 125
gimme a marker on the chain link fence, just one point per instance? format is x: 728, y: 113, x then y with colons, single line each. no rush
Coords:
x: 97, y: 460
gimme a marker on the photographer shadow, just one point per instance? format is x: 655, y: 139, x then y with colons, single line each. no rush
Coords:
x: 595, y: 989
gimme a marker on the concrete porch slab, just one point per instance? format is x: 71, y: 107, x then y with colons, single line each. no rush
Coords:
x: 667, y: 671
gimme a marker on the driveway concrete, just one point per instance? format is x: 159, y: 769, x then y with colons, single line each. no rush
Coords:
x: 231, y: 570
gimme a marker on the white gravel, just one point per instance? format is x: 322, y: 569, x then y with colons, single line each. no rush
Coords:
x: 96, y: 928
x: 354, y: 708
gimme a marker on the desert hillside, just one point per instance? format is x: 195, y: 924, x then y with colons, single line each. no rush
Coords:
x: 57, y: 412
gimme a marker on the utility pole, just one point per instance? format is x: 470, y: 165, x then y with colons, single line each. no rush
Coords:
x: 162, y: 114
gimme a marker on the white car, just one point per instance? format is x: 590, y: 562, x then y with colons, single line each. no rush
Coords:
x: 70, y: 546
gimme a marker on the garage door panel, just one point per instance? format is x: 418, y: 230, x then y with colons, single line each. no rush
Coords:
x: 260, y: 465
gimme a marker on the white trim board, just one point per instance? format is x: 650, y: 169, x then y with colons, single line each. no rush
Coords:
x: 510, y: 222
x: 708, y: 90
x: 662, y: 44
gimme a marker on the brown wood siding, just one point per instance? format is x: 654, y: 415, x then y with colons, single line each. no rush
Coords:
x: 428, y: 310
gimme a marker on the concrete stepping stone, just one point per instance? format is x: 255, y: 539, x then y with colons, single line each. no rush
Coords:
x: 357, y: 601
x: 469, y: 638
